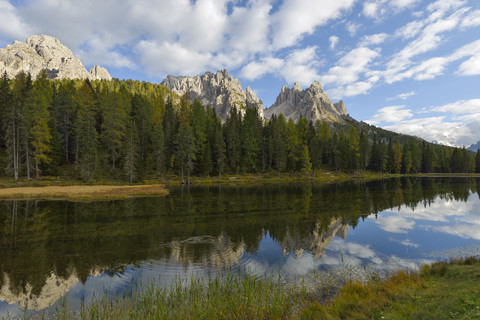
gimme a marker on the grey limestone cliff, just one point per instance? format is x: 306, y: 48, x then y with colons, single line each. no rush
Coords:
x: 311, y: 104
x: 218, y: 90
x: 45, y: 52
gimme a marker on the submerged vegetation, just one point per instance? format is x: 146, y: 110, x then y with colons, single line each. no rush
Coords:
x: 132, y: 131
x: 443, y: 290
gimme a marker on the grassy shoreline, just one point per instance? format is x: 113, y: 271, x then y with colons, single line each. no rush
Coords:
x: 54, y: 188
x: 443, y: 290
x: 82, y: 193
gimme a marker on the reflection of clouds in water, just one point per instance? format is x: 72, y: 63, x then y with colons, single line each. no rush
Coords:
x: 405, y: 242
x: 341, y: 251
x: 457, y: 218
x: 298, y: 266
x: 466, y: 231
x: 442, y: 209
x: 395, y: 224
x: 256, y: 266
x: 408, y: 243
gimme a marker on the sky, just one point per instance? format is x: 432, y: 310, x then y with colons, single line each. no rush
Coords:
x: 410, y: 66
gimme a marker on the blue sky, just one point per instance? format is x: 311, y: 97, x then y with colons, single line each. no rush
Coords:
x: 410, y: 66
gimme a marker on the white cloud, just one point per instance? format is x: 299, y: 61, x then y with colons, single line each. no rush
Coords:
x: 296, y: 18
x: 173, y: 58
x: 352, y: 28
x: 345, y: 75
x: 333, y: 41
x: 257, y: 69
x: 437, y: 129
x: 373, y: 39
x: 391, y: 114
x: 403, y: 96
x: 349, y: 67
x: 301, y: 65
x: 377, y: 9
x: 472, y: 19
x: 460, y: 107
x: 410, y: 30
x: 402, y: 4
x: 470, y: 67
x: 10, y: 24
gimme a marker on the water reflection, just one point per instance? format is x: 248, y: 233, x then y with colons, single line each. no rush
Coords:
x: 52, y: 249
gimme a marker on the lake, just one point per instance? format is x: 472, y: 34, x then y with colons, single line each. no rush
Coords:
x: 51, y: 250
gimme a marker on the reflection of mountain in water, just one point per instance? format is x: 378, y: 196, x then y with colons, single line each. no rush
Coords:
x: 222, y: 254
x: 41, y: 242
x: 55, y: 288
x: 317, y: 242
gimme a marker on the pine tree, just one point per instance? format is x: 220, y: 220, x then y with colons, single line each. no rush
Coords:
x: 219, y: 147
x: 158, y: 144
x: 131, y: 155
x: 251, y: 139
x: 397, y: 158
x: 477, y: 162
x: 114, y: 117
x: 86, y: 134
x: 39, y: 102
x: 185, y: 154
x: 65, y: 115
x: 232, y: 131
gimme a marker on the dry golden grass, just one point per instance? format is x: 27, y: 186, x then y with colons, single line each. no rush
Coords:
x: 83, y: 193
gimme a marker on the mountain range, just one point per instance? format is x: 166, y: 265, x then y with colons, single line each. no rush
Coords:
x: 219, y: 90
x: 43, y: 52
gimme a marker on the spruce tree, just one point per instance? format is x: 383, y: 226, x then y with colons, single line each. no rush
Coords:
x: 39, y: 102
x: 86, y: 135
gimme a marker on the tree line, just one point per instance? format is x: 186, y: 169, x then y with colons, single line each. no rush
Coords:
x: 134, y: 130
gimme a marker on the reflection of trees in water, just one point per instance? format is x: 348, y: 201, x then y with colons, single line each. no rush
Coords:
x: 206, y: 225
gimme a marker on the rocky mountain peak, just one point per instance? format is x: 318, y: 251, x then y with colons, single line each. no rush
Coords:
x: 218, y: 90
x: 311, y: 104
x: 40, y: 52
x: 296, y: 87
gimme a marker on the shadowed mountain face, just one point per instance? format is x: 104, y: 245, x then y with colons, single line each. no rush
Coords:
x: 47, y: 247
x: 46, y: 52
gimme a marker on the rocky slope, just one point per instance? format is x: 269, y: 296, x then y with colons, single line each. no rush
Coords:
x: 46, y: 52
x: 474, y: 147
x: 311, y: 104
x: 219, y: 90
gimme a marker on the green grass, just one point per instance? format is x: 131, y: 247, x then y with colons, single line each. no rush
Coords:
x: 444, y: 290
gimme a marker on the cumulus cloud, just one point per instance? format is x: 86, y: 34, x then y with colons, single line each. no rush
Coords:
x: 10, y: 24
x: 333, y: 41
x: 391, y: 114
x: 345, y: 75
x: 373, y: 39
x: 452, y: 133
x: 289, y: 28
x: 460, y: 107
x: 471, y: 67
x: 162, y: 58
x: 403, y: 96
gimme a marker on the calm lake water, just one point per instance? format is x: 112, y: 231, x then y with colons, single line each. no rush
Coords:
x: 50, y: 250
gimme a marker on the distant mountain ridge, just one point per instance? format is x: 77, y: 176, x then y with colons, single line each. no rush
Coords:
x: 222, y: 92
x: 474, y: 147
x: 218, y: 90
x: 43, y: 52
x: 311, y: 104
